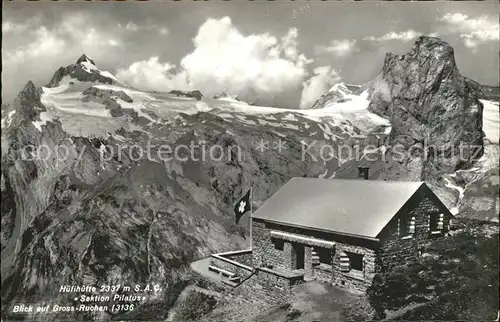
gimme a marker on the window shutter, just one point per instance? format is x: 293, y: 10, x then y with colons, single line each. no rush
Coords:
x: 440, y: 224
x: 411, y: 229
x: 315, y: 257
x: 345, y: 265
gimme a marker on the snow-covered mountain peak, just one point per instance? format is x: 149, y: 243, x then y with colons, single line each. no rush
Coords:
x: 87, y: 64
x: 226, y: 96
x: 84, y: 70
x: 343, y: 98
x: 84, y: 58
x: 341, y: 89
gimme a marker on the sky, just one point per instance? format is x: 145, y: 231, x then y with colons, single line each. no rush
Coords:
x: 280, y: 53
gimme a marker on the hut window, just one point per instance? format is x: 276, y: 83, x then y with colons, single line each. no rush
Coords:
x: 433, y: 222
x: 351, y: 261
x: 411, y: 227
x: 436, y: 222
x: 278, y: 243
x: 407, y: 227
x: 325, y: 255
x: 356, y: 261
x: 440, y: 223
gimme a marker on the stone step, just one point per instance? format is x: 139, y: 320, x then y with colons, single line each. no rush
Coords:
x: 221, y: 271
x: 230, y: 283
x: 235, y: 279
x: 309, y: 278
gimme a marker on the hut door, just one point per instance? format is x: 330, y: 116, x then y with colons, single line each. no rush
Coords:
x: 299, y: 256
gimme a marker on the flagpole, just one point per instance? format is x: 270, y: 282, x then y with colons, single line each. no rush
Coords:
x: 250, y: 216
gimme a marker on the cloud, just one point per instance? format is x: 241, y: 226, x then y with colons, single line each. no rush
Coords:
x: 163, y: 31
x: 13, y: 28
x: 114, y: 43
x: 323, y: 79
x: 16, y: 28
x: 472, y: 31
x: 223, y: 59
x: 152, y: 75
x: 71, y: 37
x: 133, y: 27
x: 45, y: 44
x: 338, y: 47
x: 454, y: 18
x: 404, y: 36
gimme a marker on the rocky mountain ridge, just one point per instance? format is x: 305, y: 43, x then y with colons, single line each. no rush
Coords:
x: 431, y: 102
x: 83, y: 70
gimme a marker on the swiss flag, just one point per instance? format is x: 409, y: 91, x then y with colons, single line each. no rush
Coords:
x: 242, y: 206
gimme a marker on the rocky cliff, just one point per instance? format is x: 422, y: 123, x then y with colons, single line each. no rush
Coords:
x: 432, y: 108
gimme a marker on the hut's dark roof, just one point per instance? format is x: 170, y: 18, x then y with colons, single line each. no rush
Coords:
x: 354, y: 207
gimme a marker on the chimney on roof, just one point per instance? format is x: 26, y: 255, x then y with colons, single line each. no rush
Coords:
x: 364, y: 172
